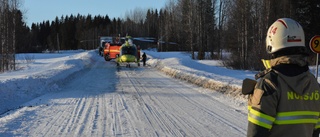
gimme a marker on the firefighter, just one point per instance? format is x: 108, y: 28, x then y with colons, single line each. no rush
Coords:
x: 286, y: 99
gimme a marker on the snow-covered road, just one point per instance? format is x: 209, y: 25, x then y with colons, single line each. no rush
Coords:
x: 102, y: 100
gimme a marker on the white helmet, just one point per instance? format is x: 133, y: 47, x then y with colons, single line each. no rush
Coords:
x: 130, y: 42
x: 284, y: 33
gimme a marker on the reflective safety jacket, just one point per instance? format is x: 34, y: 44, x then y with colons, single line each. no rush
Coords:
x: 285, y: 101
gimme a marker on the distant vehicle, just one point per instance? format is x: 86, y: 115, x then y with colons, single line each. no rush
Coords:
x: 103, y: 41
x: 111, y: 51
x: 129, y: 53
x: 111, y: 48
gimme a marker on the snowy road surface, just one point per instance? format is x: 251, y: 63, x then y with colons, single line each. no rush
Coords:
x: 103, y: 101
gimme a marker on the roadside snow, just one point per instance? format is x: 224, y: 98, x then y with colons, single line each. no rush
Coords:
x: 38, y: 74
x: 205, y: 73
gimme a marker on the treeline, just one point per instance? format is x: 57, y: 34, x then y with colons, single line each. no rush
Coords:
x: 247, y: 21
x: 82, y: 31
x: 237, y: 27
x: 11, y: 30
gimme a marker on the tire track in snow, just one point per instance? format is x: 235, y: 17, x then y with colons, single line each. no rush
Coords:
x: 52, y: 122
x: 221, y: 112
x: 224, y: 116
x: 157, y: 121
x: 116, y: 118
x: 189, y: 129
x: 73, y: 116
x: 160, y: 117
x: 169, y: 122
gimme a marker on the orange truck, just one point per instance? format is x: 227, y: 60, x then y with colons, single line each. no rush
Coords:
x: 111, y: 51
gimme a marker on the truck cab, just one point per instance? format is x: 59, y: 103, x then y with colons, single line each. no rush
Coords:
x: 111, y: 50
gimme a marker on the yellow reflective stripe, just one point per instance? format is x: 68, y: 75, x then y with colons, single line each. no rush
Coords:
x: 257, y: 122
x: 297, y: 117
x: 114, y: 50
x: 266, y: 63
x: 318, y: 124
x: 260, y: 119
x: 296, y: 121
x: 297, y: 113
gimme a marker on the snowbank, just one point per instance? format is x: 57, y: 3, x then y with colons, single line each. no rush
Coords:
x: 226, y: 88
x: 43, y: 75
x: 208, y: 77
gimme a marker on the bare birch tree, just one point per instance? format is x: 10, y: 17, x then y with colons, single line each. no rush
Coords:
x: 8, y: 16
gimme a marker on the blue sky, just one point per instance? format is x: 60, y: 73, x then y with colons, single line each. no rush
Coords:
x: 43, y: 10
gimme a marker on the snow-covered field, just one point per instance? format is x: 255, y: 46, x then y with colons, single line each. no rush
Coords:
x: 79, y: 94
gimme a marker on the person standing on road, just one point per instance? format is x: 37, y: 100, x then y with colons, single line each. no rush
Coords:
x: 144, y: 58
x: 286, y: 100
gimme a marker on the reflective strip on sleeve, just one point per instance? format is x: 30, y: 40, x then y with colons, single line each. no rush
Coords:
x: 297, y: 117
x: 260, y: 119
x: 318, y: 124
